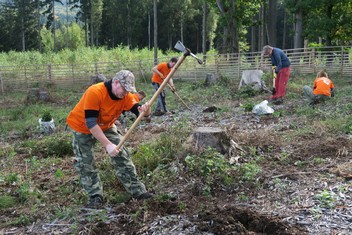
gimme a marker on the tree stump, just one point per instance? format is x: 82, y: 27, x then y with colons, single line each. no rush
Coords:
x: 98, y: 78
x: 35, y: 94
x: 216, y: 138
x: 210, y: 79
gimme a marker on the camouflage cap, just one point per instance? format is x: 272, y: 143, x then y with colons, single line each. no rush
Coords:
x: 126, y: 79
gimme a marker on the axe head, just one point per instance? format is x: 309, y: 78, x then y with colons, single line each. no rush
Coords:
x: 180, y: 47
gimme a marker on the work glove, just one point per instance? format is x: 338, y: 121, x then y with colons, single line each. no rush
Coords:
x: 111, y: 149
x: 173, y: 89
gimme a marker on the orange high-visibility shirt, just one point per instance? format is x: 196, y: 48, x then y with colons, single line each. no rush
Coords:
x: 164, y: 69
x: 322, y: 86
x: 136, y: 97
x: 97, y: 98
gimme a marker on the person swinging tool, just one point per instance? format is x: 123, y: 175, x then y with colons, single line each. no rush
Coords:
x: 160, y: 72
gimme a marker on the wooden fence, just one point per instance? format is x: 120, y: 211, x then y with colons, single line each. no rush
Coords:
x: 303, y: 61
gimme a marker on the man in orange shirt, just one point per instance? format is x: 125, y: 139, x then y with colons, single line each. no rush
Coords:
x: 93, y: 119
x: 323, y: 89
x: 160, y: 72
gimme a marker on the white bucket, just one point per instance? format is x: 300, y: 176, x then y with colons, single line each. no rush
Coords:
x: 46, y: 127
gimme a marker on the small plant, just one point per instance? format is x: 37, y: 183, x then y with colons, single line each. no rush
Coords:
x: 46, y: 116
x: 248, y: 107
x: 249, y: 171
x: 7, y: 201
x: 326, y: 198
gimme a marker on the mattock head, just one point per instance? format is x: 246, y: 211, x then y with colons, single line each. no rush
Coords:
x: 180, y: 47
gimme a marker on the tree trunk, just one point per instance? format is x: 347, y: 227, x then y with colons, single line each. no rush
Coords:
x: 54, y: 25
x: 272, y: 22
x: 149, y: 34
x: 23, y: 35
x: 262, y: 41
x: 204, y: 38
x: 181, y: 22
x: 155, y: 33
x: 284, y: 31
x: 298, y: 29
x: 91, y: 25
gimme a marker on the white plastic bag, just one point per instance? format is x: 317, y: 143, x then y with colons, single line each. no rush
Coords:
x: 262, y: 108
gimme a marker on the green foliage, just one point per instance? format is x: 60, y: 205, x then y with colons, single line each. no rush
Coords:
x: 7, y: 150
x: 211, y: 165
x: 46, y: 117
x: 12, y: 178
x: 25, y: 192
x: 163, y: 150
x: 7, y: 201
x: 58, y: 174
x: 248, y: 107
x: 249, y: 171
x: 23, y: 220
x: 326, y: 198
x: 55, y: 146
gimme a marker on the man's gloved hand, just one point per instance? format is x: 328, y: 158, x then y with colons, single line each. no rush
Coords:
x: 173, y: 89
x: 111, y: 149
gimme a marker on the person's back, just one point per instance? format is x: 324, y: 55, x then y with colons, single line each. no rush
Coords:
x: 322, y: 85
x: 323, y: 89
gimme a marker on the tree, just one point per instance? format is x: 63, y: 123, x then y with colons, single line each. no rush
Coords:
x: 235, y: 17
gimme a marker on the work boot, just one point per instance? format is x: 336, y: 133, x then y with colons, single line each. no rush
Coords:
x: 144, y: 196
x: 95, y: 202
x: 278, y: 101
x: 158, y: 113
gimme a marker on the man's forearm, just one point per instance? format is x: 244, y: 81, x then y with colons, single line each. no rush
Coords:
x: 99, y: 135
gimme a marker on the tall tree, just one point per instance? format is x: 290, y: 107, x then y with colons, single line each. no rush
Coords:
x: 51, y: 16
x: 272, y: 22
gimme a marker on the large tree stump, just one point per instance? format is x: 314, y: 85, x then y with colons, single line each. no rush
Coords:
x: 216, y: 138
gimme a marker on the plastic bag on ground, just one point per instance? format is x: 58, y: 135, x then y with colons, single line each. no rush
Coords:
x: 262, y: 108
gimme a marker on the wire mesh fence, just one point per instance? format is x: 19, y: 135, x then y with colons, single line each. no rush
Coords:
x: 303, y: 61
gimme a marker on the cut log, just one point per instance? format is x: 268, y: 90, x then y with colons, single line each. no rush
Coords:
x: 214, y: 137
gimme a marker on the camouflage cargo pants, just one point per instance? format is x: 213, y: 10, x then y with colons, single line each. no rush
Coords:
x: 84, y: 164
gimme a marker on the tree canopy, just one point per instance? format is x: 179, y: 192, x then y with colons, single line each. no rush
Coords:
x: 226, y: 25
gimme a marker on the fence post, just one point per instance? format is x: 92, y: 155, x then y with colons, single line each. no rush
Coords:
x: 217, y: 67
x: 342, y: 59
x: 49, y: 71
x: 141, y: 71
x: 96, y: 68
x: 1, y: 85
x: 25, y: 76
x: 73, y: 71
x: 239, y: 64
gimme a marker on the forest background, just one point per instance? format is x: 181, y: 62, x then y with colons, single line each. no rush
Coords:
x: 226, y: 26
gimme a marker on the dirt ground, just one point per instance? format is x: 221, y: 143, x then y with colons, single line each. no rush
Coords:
x: 285, y: 202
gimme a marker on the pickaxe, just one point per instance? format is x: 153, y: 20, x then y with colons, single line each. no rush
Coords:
x: 186, y: 52
x: 173, y: 91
